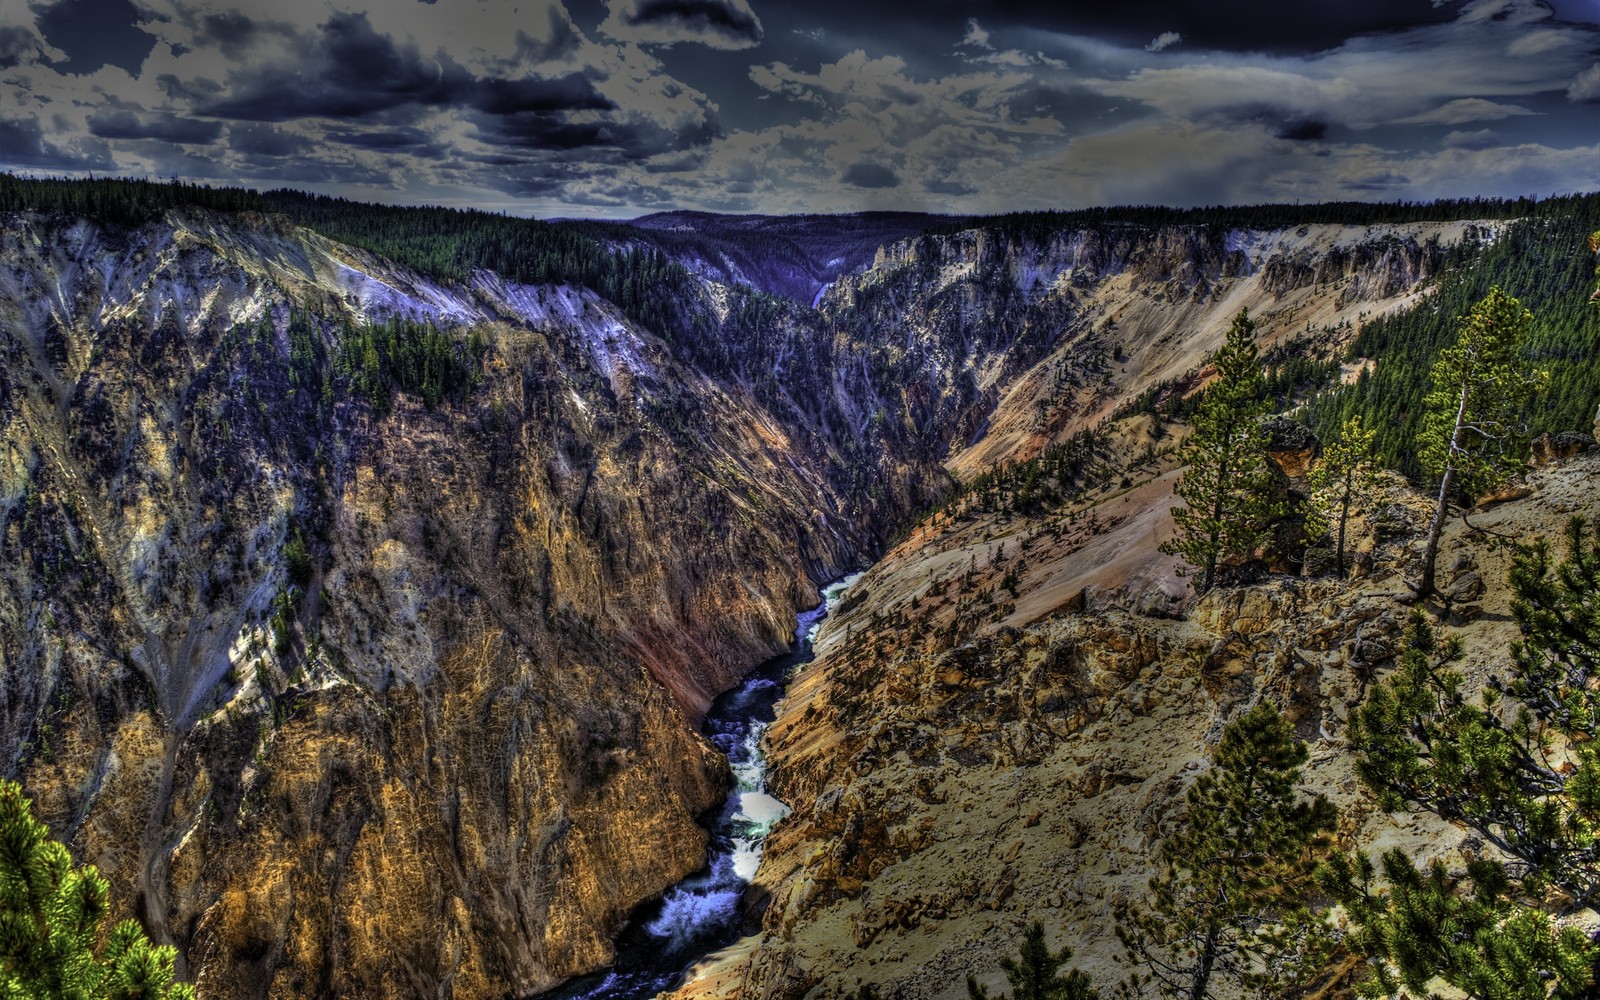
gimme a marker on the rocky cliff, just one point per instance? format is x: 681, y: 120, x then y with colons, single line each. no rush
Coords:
x: 361, y: 704
x: 1007, y: 705
x: 1047, y: 332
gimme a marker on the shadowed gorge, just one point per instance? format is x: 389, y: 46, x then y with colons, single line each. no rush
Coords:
x: 316, y: 679
x: 366, y: 573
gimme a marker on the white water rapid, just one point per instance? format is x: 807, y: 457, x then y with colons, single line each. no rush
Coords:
x: 701, y: 913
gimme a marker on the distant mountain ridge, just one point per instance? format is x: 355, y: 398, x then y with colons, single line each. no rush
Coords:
x: 795, y: 256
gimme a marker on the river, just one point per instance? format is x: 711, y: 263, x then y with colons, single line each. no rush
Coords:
x: 701, y: 913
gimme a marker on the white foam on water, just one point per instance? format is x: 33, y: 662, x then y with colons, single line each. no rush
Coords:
x: 761, y: 810
x: 713, y: 897
x: 746, y: 859
x: 683, y: 913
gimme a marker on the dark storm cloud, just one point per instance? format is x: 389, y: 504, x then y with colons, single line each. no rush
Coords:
x: 198, y: 90
x: 697, y: 17
x: 723, y: 24
x: 167, y: 128
x: 23, y: 141
x: 18, y: 45
x: 870, y: 175
x: 534, y: 130
x: 27, y: 144
x: 353, y: 72
x: 523, y: 178
x: 552, y: 132
x: 349, y: 70
x: 260, y: 139
x: 830, y: 105
x: 95, y: 33
x: 572, y: 92
x: 411, y: 139
x: 232, y: 31
x: 1303, y: 130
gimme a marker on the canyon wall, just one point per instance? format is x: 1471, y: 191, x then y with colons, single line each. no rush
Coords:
x: 371, y: 705
x: 401, y: 701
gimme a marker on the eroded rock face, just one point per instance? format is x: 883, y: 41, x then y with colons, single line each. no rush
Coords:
x: 1034, y: 335
x: 1549, y: 448
x: 375, y: 706
x: 959, y: 770
x: 1006, y: 708
x: 1293, y: 449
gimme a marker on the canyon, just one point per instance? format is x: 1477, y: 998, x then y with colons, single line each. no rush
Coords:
x: 405, y: 700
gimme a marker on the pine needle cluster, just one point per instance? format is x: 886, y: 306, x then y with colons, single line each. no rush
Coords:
x: 51, y: 917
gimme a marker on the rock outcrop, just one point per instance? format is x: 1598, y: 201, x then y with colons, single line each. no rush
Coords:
x: 1548, y: 449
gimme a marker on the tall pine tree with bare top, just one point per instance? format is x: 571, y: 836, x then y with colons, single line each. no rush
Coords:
x: 1227, y: 494
x: 1471, y: 438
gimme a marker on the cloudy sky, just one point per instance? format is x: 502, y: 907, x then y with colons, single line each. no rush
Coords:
x: 620, y: 107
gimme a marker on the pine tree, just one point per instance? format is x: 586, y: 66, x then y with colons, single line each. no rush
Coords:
x: 51, y: 915
x: 1035, y: 974
x: 1230, y: 904
x: 1520, y: 768
x: 1530, y: 786
x: 1558, y: 610
x: 1344, y: 477
x: 1470, y: 437
x: 1419, y: 926
x: 1227, y: 494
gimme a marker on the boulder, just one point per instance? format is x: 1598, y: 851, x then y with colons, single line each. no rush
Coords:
x: 1391, y: 521
x: 1378, y: 639
x: 1292, y: 447
x: 1467, y: 586
x: 1550, y: 448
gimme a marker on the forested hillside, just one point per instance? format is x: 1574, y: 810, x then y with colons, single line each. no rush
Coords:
x: 444, y: 243
x: 1270, y: 216
x: 1543, y: 261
